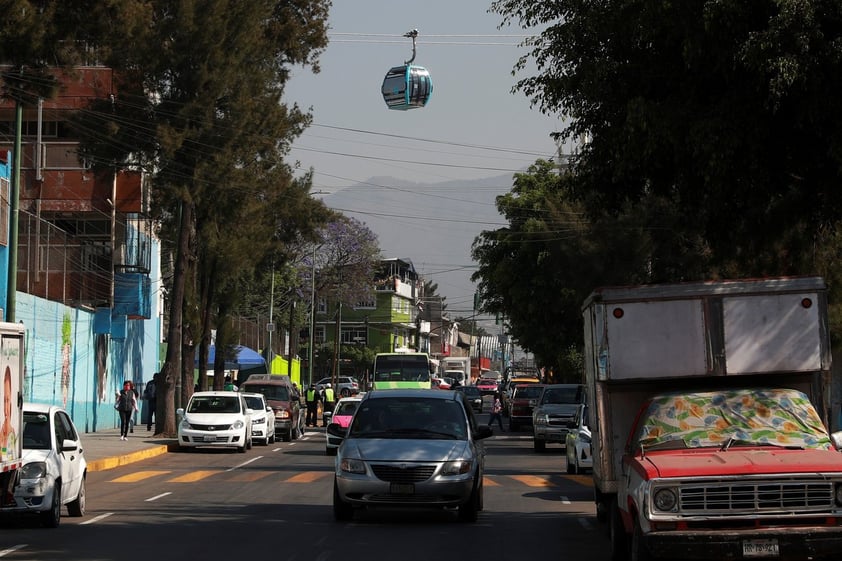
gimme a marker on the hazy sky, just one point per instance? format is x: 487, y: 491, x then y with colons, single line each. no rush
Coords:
x: 473, y: 127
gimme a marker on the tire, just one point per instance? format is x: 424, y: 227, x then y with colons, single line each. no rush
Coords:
x: 469, y: 511
x: 618, y: 538
x: 76, y: 507
x: 271, y: 439
x: 249, y: 443
x: 342, y: 511
x: 242, y: 449
x: 52, y: 518
x: 330, y: 451
x: 570, y: 468
x: 287, y: 436
x: 638, y: 550
x: 345, y: 392
x: 539, y: 445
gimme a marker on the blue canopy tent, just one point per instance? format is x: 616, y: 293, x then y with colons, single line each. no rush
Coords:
x: 246, y: 360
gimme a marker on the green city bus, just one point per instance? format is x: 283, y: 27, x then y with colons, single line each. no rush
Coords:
x: 401, y: 370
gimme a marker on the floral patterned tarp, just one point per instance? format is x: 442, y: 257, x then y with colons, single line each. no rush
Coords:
x: 780, y: 417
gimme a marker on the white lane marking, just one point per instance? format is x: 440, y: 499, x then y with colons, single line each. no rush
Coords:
x: 156, y: 497
x: 276, y: 450
x: 96, y: 518
x: 12, y: 549
x: 565, y: 500
x: 244, y: 463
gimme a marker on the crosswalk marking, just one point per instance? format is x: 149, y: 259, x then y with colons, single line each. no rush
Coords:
x: 250, y: 475
x: 532, y: 480
x: 138, y: 476
x: 311, y: 476
x: 307, y: 477
x: 193, y: 476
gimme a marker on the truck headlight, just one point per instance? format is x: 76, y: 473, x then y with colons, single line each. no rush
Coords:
x: 542, y: 419
x: 281, y: 414
x: 665, y: 500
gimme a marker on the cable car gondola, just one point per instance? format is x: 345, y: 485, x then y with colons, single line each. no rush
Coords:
x: 408, y: 86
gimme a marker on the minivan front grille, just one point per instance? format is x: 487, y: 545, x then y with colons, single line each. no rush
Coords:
x: 394, y: 473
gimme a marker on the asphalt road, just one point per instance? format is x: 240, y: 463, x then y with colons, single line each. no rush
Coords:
x: 274, y: 502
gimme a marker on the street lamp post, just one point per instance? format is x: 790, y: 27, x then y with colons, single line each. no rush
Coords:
x: 312, y: 319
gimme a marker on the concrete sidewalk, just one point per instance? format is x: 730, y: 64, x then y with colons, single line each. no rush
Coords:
x: 104, y: 450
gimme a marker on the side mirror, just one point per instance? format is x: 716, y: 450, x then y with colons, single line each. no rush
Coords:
x: 69, y: 445
x: 268, y: 409
x: 179, y: 411
x: 483, y: 431
x: 836, y: 439
x: 337, y: 430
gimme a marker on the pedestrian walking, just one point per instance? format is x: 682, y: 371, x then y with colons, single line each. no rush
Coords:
x: 311, y: 399
x: 150, y: 395
x: 496, y: 412
x: 126, y: 405
x: 329, y: 402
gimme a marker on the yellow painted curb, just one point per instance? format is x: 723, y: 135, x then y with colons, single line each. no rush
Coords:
x: 117, y: 461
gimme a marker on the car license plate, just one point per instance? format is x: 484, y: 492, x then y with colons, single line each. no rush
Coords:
x: 760, y: 548
x: 210, y: 438
x: 402, y: 489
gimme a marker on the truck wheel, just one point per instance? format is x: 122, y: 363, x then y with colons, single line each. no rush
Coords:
x: 539, y: 445
x: 619, y: 539
x: 639, y: 551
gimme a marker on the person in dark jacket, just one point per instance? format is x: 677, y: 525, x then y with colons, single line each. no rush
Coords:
x: 311, y: 399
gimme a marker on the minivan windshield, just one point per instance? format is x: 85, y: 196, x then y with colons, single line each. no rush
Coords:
x: 277, y: 392
x: 410, y: 417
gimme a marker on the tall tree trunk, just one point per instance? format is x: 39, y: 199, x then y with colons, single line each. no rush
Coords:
x: 172, y: 365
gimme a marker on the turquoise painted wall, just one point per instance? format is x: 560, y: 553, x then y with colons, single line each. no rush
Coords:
x: 87, y: 394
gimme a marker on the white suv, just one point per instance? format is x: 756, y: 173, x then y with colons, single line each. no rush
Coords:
x: 217, y: 419
x: 262, y: 418
x: 346, y: 386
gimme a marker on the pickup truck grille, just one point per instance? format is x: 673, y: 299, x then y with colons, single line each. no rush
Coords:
x: 762, y: 496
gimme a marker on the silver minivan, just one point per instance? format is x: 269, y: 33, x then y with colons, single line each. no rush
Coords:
x: 418, y: 448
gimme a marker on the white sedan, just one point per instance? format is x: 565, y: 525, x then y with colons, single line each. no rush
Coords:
x: 578, y: 443
x: 54, y: 467
x: 216, y: 419
x: 262, y: 418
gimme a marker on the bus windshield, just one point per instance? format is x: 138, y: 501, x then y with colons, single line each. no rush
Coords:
x: 395, y: 370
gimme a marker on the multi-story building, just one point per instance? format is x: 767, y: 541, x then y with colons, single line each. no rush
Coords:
x: 87, y: 260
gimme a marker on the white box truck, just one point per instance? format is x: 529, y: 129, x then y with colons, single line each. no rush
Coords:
x: 12, y: 338
x: 449, y: 366
x: 710, y: 404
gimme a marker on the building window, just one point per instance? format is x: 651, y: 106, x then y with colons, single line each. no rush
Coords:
x: 321, y: 306
x: 319, y: 334
x: 353, y: 336
x: 366, y: 304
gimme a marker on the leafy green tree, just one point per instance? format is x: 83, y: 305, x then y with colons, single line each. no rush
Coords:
x: 723, y: 110
x: 200, y: 109
x: 709, y: 132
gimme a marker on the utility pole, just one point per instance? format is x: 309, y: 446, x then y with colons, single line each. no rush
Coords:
x: 14, y: 196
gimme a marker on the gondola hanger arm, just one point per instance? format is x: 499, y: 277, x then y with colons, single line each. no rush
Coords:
x: 412, y: 34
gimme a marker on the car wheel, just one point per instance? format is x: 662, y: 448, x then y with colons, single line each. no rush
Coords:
x: 52, y: 518
x: 287, y: 436
x: 345, y: 392
x: 468, y: 512
x: 539, y: 445
x: 249, y: 443
x: 76, y: 507
x: 271, y: 439
x: 342, y: 511
x: 330, y: 451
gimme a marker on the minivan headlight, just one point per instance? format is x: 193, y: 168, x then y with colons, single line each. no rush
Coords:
x: 458, y: 467
x: 351, y: 465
